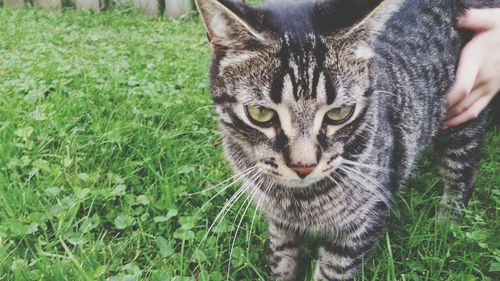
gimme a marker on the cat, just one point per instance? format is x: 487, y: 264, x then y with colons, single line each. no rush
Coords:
x: 324, y: 108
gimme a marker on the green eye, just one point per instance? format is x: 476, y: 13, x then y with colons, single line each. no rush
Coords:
x: 260, y: 115
x: 340, y: 115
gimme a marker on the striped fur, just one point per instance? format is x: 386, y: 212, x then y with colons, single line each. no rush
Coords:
x: 392, y: 61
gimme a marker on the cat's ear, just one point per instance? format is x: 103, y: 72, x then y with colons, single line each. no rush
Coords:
x: 360, y: 19
x: 232, y: 25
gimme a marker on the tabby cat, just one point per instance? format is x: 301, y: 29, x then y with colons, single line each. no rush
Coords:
x: 324, y: 108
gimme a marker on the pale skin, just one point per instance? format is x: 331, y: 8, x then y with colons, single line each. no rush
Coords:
x: 478, y: 74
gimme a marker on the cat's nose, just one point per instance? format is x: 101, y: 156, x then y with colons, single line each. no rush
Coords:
x: 303, y: 171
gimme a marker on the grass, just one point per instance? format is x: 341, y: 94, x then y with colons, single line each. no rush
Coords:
x: 106, y: 128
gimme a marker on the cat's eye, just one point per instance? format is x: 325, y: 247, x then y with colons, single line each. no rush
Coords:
x: 260, y: 115
x: 339, y: 115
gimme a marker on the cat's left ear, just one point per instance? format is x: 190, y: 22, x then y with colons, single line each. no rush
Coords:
x: 233, y: 25
x: 356, y: 20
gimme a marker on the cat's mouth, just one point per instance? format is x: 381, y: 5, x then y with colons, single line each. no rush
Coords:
x: 296, y: 183
x: 300, y: 177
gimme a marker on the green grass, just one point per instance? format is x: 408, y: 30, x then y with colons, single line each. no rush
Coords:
x: 106, y: 128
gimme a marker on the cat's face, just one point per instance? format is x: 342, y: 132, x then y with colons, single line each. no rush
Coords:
x: 289, y: 91
x: 292, y: 113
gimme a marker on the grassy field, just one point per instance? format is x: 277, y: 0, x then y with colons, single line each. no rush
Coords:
x: 106, y: 136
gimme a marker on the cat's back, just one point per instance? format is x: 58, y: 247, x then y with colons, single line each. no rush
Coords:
x: 419, y: 47
x: 416, y: 58
x: 415, y: 61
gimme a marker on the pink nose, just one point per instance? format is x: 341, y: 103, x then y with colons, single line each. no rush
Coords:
x: 303, y: 171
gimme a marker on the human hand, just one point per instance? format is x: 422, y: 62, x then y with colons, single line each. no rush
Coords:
x: 478, y: 74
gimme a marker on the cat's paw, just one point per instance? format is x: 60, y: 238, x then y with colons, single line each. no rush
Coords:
x: 320, y: 275
x: 450, y: 208
x: 446, y: 213
x: 284, y: 268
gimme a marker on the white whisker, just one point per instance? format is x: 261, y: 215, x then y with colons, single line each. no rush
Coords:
x: 235, y: 177
x: 261, y: 199
x: 218, y: 219
x: 371, y: 167
x: 249, y: 199
x: 385, y: 92
x: 365, y: 182
x: 227, y: 206
x: 240, y: 177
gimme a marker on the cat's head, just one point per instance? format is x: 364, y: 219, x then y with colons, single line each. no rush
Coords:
x: 291, y: 80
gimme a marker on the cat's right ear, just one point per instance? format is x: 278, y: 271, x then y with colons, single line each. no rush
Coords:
x: 232, y: 25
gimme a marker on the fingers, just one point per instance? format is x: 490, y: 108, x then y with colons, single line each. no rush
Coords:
x: 462, y: 105
x: 476, y: 84
x: 468, y: 68
x: 469, y: 114
x: 480, y: 19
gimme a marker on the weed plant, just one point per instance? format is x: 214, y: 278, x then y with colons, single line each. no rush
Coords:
x: 109, y: 155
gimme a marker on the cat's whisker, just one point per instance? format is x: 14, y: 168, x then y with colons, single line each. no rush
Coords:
x: 380, y: 193
x: 236, y: 177
x: 257, y: 207
x: 229, y: 203
x: 239, y: 177
x: 365, y: 182
x: 222, y: 213
x: 341, y: 188
x: 227, y: 206
x: 367, y: 166
x: 351, y: 172
x: 220, y: 216
x: 384, y: 92
x: 250, y: 200
x: 357, y: 183
x: 336, y: 182
x: 373, y: 181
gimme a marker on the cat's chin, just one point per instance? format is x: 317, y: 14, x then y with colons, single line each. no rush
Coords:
x: 302, y: 183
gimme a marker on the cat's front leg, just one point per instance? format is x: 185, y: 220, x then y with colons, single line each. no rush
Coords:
x: 340, y: 260
x: 284, y: 248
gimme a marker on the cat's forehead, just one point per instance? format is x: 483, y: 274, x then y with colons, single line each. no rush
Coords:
x: 298, y: 67
x: 297, y: 75
x: 295, y: 22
